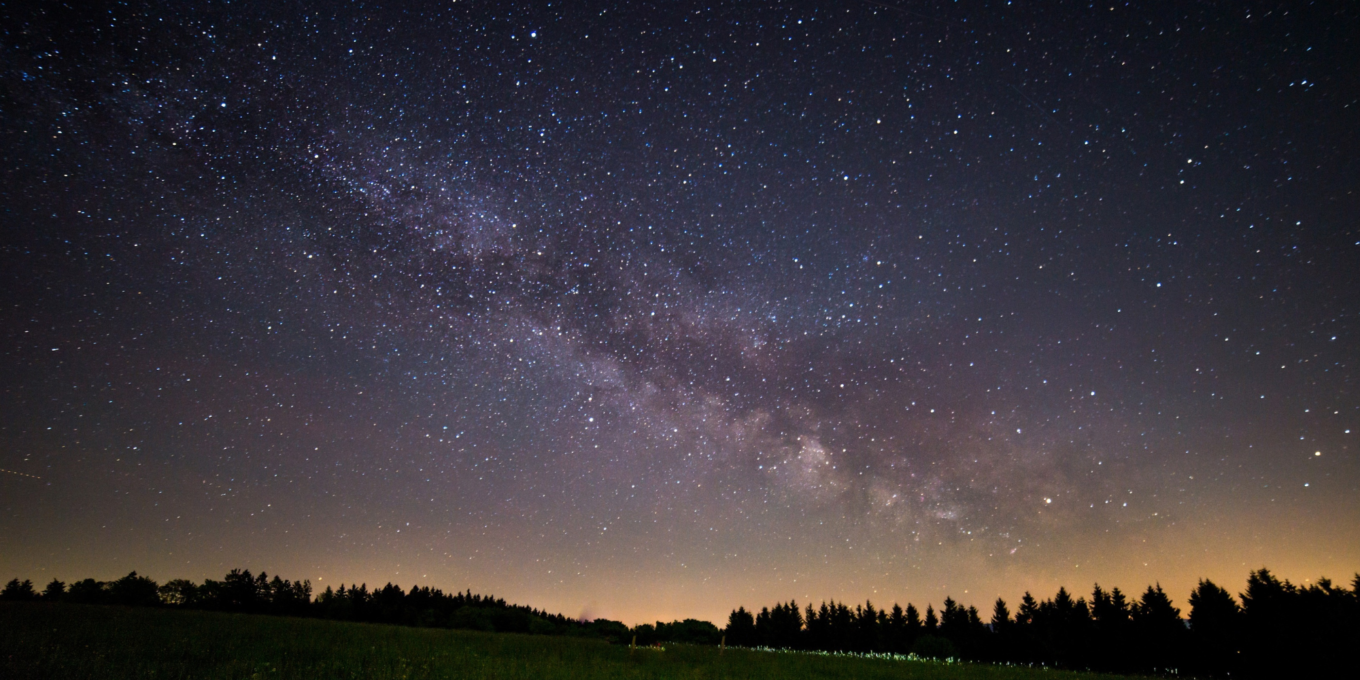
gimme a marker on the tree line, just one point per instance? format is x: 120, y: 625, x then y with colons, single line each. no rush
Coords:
x: 1277, y: 629
x: 240, y: 591
x: 1273, y: 629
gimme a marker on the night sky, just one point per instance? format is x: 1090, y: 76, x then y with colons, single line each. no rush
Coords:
x: 646, y: 311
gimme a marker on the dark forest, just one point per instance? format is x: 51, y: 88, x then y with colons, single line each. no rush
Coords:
x: 1272, y: 629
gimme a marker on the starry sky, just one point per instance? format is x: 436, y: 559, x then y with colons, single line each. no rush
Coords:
x: 649, y: 310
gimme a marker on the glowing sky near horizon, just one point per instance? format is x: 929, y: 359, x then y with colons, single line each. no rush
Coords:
x: 650, y: 311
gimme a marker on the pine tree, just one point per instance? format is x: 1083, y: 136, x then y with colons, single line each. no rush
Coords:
x: 843, y: 627
x: 913, y: 618
x: 818, y: 624
x: 1159, y: 630
x: 1110, y: 630
x: 1002, y: 641
x: 1266, y: 598
x: 953, y: 621
x: 809, y: 623
x: 1212, y: 608
x: 1120, y: 603
x: 786, y: 626
x: 764, y: 636
x: 892, y: 625
x: 1001, y: 615
x: 1155, y: 609
x: 1028, y: 610
x: 1109, y: 610
x: 1063, y: 606
x: 866, y: 623
x: 1215, y: 622
x: 741, y: 628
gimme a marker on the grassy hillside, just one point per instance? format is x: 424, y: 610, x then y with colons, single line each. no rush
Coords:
x: 75, y: 641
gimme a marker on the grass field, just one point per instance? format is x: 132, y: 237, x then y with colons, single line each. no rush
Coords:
x: 76, y: 641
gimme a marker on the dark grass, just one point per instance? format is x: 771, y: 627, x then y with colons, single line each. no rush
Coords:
x: 40, y: 640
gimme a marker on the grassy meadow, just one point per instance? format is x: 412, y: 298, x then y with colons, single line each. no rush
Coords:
x: 40, y: 640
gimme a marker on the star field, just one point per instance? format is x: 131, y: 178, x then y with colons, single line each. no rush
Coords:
x: 649, y: 311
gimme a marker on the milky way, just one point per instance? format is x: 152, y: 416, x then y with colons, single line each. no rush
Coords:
x: 650, y: 311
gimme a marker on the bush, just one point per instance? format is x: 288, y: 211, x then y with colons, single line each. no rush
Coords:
x: 933, y: 647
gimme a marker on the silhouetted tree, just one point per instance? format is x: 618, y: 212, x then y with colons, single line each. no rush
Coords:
x: 87, y: 591
x: 180, y: 593
x: 835, y: 628
x: 1159, y: 631
x: 953, y: 618
x: 16, y: 591
x: 1214, y: 628
x: 238, y: 591
x: 785, y: 626
x: 914, y: 623
x: 779, y: 627
x: 764, y: 634
x: 815, y: 627
x: 1111, y: 621
x: 287, y: 598
x: 1028, y: 608
x: 689, y: 631
x: 894, y: 630
x: 1001, y: 615
x: 1058, y: 630
x: 134, y: 591
x: 741, y: 628
x: 961, y: 627
x: 1290, y: 631
x: 1281, y: 630
x: 606, y: 629
x: 54, y: 591
x: 1002, y: 644
x: 866, y: 628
